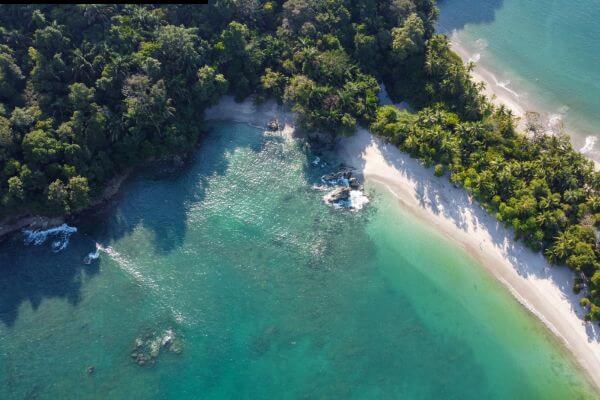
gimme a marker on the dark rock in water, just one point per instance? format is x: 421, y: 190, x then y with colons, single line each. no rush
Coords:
x: 339, y: 177
x: 338, y: 194
x: 167, y: 339
x: 91, y: 369
x: 346, y: 189
x: 273, y: 125
x: 147, y: 349
x: 354, y: 183
x: 329, y: 177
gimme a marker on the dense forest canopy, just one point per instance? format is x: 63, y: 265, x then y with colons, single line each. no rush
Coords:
x: 87, y: 91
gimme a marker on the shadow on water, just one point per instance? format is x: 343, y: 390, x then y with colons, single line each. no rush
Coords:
x: 158, y: 200
x: 35, y: 273
x: 455, y: 14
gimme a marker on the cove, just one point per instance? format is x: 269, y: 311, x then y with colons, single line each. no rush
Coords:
x: 268, y: 292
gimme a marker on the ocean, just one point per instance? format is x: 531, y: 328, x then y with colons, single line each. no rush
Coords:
x: 542, y: 54
x: 232, y: 279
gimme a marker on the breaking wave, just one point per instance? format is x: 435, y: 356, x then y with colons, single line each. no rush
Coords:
x: 344, y: 190
x: 475, y: 58
x: 358, y: 199
x: 62, y: 234
x: 588, y: 146
x: 506, y: 86
x: 94, y: 255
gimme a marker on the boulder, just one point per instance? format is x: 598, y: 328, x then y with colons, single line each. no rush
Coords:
x: 354, y: 183
x: 338, y: 194
x: 273, y: 125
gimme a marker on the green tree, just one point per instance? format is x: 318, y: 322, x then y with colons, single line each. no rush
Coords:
x: 210, y: 85
x: 79, y: 193
x: 409, y: 38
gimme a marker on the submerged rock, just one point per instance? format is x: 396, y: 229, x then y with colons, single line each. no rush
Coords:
x: 148, y: 348
x: 168, y: 338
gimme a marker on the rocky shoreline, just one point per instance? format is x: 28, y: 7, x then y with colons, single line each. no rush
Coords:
x: 13, y: 224
x: 245, y: 112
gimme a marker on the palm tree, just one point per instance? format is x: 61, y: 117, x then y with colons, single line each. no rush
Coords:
x: 561, y: 248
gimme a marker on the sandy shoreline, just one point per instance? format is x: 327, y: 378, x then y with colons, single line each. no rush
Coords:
x: 499, y: 93
x: 545, y: 290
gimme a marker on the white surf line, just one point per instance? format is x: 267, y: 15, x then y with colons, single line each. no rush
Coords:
x: 127, y: 266
x: 39, y: 237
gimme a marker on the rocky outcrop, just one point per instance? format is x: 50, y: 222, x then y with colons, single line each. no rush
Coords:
x: 147, y: 348
x: 338, y: 194
x: 38, y: 222
x: 273, y: 125
x: 347, y: 190
x: 33, y: 222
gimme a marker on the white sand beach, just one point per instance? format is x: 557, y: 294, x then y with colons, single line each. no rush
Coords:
x: 543, y: 289
x: 497, y: 92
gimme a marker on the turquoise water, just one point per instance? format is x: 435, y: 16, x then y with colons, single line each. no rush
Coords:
x: 546, y: 51
x: 269, y: 294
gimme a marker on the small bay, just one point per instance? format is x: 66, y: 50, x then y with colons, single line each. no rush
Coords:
x: 262, y: 291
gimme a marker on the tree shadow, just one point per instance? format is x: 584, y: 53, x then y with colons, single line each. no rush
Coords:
x: 438, y: 196
x: 34, y: 273
x: 455, y: 14
x: 157, y: 199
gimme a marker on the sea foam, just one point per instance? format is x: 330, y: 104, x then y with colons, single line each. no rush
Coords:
x: 357, y: 200
x: 475, y: 58
x: 506, y: 86
x: 94, y: 255
x: 588, y: 146
x: 128, y: 266
x: 39, y: 237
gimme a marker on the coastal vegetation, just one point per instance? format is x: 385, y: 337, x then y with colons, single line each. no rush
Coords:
x: 87, y: 91
x: 536, y: 185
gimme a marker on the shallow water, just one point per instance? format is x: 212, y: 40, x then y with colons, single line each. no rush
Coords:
x: 270, y: 294
x: 544, y: 53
